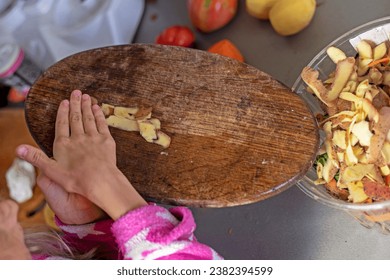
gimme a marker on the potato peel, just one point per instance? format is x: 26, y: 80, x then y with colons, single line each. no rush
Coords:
x: 357, y: 129
x: 137, y: 119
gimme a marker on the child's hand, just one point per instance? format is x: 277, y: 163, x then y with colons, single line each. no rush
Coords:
x: 85, y: 158
x: 12, y: 245
x: 70, y: 208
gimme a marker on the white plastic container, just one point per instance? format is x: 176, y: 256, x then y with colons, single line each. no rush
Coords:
x: 49, y: 30
x: 72, y: 26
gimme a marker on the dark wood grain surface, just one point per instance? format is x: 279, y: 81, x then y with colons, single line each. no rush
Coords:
x: 238, y: 135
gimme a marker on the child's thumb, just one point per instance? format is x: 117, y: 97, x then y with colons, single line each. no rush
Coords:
x: 33, y: 155
x: 39, y: 159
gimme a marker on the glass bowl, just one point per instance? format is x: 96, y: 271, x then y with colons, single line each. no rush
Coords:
x: 373, y: 215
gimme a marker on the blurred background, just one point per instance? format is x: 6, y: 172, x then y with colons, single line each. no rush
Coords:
x: 48, y: 30
x: 291, y: 225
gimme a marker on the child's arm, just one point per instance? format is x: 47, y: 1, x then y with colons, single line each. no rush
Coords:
x: 149, y: 232
x: 84, y: 165
x: 89, y: 236
x: 153, y: 232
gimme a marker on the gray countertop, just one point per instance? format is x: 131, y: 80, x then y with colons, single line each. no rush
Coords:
x: 290, y: 225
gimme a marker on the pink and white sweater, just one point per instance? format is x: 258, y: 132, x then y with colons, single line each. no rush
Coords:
x: 149, y: 232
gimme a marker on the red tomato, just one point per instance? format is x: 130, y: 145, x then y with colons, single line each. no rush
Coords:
x: 210, y: 15
x: 176, y: 36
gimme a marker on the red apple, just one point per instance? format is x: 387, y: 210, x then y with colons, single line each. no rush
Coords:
x: 210, y: 15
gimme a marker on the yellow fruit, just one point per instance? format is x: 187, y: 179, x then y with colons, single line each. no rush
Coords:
x: 288, y: 17
x: 259, y: 8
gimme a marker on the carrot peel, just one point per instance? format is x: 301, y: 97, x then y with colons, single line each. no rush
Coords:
x: 378, y: 61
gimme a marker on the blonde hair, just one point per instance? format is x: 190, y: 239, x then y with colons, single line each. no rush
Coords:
x: 46, y: 242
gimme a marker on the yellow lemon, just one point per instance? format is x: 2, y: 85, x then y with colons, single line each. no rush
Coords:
x: 289, y: 17
x: 259, y: 8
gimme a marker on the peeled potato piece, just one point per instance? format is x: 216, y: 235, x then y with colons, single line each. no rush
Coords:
x: 136, y: 119
x: 126, y: 112
x: 380, y: 51
x: 147, y: 130
x: 163, y: 139
x: 364, y: 49
x: 107, y: 109
x: 335, y: 54
x: 122, y: 123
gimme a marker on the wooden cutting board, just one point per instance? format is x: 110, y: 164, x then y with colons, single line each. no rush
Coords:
x: 238, y: 135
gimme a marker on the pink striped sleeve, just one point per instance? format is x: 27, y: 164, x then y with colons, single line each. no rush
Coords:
x: 153, y: 232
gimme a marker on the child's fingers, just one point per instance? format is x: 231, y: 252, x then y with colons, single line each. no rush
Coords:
x: 100, y: 120
x: 62, y: 120
x: 88, y: 117
x: 75, y: 117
